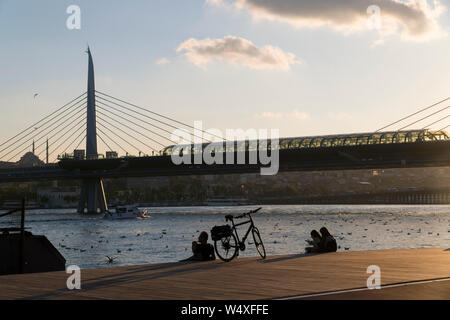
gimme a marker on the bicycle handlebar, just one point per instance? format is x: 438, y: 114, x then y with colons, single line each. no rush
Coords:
x: 229, y: 216
x: 256, y: 210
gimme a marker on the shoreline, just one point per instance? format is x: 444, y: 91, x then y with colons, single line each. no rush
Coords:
x: 144, y: 205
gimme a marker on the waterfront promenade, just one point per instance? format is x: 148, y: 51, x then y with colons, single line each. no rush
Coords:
x: 290, y: 276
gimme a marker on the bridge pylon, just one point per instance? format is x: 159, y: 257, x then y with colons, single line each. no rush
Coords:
x: 92, y: 194
x: 92, y: 197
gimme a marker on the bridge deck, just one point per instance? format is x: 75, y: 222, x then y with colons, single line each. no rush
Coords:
x: 377, y: 156
x: 249, y: 278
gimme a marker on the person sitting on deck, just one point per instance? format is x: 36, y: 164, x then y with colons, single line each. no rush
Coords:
x: 315, y: 242
x: 328, y: 243
x: 201, y: 249
x: 321, y: 243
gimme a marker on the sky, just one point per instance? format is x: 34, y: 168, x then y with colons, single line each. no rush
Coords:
x: 301, y: 66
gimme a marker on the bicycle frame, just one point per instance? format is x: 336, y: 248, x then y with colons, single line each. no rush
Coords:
x: 250, y: 220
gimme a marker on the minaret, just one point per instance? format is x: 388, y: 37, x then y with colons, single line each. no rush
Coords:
x: 33, y: 146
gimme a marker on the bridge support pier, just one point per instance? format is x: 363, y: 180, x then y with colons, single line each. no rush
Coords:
x: 92, y: 197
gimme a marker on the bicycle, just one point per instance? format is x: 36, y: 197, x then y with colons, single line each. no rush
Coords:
x: 226, y: 239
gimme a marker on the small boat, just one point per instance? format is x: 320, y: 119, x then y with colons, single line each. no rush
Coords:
x: 127, y: 212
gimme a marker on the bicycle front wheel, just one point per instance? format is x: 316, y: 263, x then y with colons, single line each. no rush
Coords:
x: 258, y: 243
x: 226, y: 248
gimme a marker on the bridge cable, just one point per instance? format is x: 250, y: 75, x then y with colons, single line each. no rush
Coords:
x: 70, y: 136
x: 105, y: 127
x: 74, y: 140
x: 33, y: 125
x: 129, y: 135
x: 163, y: 145
x: 72, y: 143
x: 158, y: 114
x: 100, y: 137
x: 112, y: 140
x: 144, y: 109
x: 76, y: 147
x: 160, y: 121
x: 130, y: 115
x: 75, y: 106
x: 65, y: 133
x: 59, y: 130
x: 79, y: 108
x: 40, y: 132
x: 134, y: 123
x: 436, y: 112
x: 79, y: 131
x: 428, y: 126
x: 413, y: 114
x: 52, y: 122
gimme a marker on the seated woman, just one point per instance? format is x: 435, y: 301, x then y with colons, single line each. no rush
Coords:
x: 328, y: 243
x: 201, y: 249
x: 315, y: 242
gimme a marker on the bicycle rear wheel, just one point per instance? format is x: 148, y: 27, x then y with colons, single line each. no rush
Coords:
x: 226, y: 248
x: 258, y: 243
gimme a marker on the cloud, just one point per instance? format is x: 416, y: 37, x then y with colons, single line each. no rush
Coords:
x: 162, y: 61
x: 271, y: 115
x: 237, y: 51
x: 215, y: 2
x: 299, y: 115
x: 295, y: 114
x: 411, y: 19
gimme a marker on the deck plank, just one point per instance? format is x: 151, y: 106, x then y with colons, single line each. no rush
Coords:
x: 243, y: 278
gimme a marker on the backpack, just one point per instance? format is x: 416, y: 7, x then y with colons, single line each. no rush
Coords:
x: 219, y: 232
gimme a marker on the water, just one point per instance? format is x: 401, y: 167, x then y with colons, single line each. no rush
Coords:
x: 168, y: 234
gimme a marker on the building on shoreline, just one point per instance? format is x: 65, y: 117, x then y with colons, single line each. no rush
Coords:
x: 58, y: 197
x: 350, y: 186
x: 406, y: 185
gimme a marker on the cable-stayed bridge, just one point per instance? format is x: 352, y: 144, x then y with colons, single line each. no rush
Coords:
x: 139, y: 142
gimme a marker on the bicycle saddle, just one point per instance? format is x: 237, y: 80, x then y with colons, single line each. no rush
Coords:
x: 228, y: 217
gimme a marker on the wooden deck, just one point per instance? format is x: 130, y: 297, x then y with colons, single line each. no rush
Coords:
x: 249, y: 278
